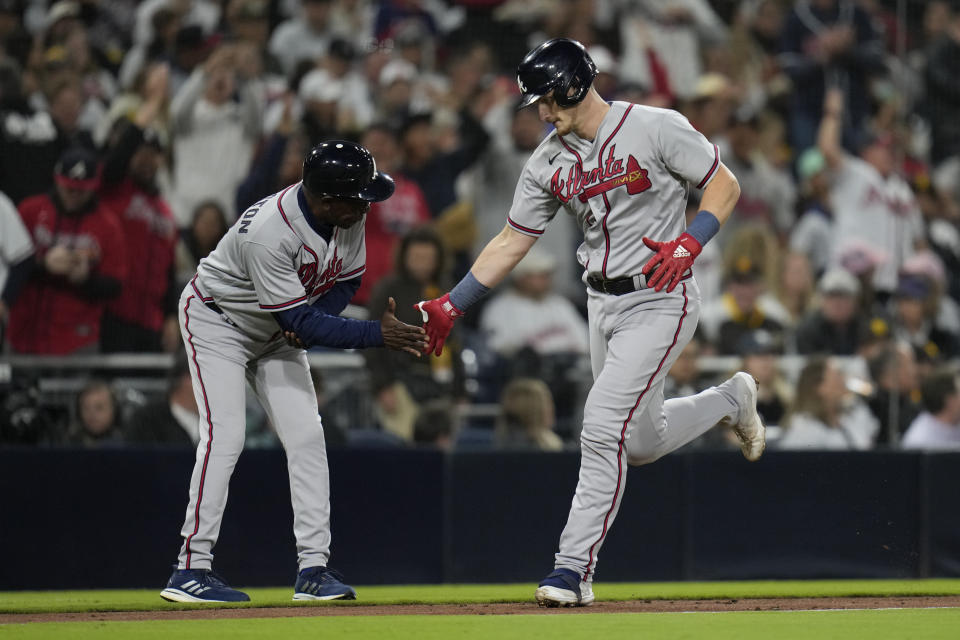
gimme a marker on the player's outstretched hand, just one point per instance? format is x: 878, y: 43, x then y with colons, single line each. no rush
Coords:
x: 670, y: 261
x: 439, y: 315
x: 400, y: 336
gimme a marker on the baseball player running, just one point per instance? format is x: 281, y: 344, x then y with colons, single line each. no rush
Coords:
x: 623, y: 171
x: 289, y: 265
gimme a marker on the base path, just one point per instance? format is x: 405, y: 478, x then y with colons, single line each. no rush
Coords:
x: 632, y: 606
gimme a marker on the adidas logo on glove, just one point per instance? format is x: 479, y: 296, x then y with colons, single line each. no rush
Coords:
x: 681, y: 252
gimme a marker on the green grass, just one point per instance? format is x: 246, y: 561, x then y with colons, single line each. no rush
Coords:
x: 930, y: 624
x: 147, y: 600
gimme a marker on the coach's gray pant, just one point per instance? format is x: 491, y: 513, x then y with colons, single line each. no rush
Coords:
x: 222, y: 360
x: 634, y: 340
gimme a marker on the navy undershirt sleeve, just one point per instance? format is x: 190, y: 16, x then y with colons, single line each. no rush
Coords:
x: 17, y: 276
x: 318, y: 329
x: 334, y: 301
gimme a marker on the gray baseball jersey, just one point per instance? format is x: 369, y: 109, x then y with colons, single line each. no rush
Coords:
x: 270, y: 259
x: 15, y: 242
x: 629, y: 182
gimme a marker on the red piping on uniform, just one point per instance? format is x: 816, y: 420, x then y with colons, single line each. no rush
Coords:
x: 713, y: 167
x: 623, y: 432
x: 606, y: 235
x: 571, y: 150
x: 206, y: 404
x: 270, y: 307
x: 352, y: 273
x: 520, y: 227
x: 606, y: 201
x: 197, y: 291
x: 284, y: 216
x: 610, y: 137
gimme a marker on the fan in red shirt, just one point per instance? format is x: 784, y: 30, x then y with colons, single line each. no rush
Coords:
x: 390, y: 220
x: 135, y: 322
x: 80, y: 263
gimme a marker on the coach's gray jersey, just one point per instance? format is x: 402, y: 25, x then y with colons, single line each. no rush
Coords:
x: 272, y: 259
x: 629, y: 182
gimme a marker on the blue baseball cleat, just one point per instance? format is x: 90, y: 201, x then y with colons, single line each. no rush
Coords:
x: 320, y: 583
x: 200, y: 585
x: 564, y: 588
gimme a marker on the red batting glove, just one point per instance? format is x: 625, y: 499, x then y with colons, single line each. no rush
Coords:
x: 438, y: 317
x: 674, y: 259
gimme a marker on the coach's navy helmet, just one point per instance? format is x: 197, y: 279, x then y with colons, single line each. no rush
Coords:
x: 343, y: 169
x: 560, y: 65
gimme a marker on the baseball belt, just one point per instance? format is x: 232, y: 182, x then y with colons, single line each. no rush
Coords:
x: 621, y: 286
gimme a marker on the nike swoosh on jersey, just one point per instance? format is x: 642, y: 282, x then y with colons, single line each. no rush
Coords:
x: 550, y: 161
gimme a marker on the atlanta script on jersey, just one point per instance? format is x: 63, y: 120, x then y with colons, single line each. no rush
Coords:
x: 629, y: 182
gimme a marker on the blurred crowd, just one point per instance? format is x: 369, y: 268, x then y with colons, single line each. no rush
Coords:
x: 132, y: 134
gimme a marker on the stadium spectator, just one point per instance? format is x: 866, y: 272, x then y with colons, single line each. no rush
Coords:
x: 795, y: 286
x: 436, y: 425
x: 744, y: 306
x: 836, y: 327
x: 400, y: 384
x: 527, y: 417
x: 280, y: 161
x: 677, y: 32
x: 759, y: 350
x: 215, y: 122
x: 305, y: 37
x: 532, y: 315
x: 685, y: 377
x: 143, y: 318
x: 767, y: 194
x: 938, y: 427
x: 80, y: 266
x: 171, y: 420
x: 388, y: 221
x: 829, y: 43
x: 97, y: 422
x: 824, y: 415
x: 915, y: 318
x: 16, y: 258
x: 434, y: 169
x: 871, y: 202
x: 208, y: 225
x: 943, y: 102
x: 895, y: 401
x: 31, y: 140
x: 812, y: 234
x: 514, y: 135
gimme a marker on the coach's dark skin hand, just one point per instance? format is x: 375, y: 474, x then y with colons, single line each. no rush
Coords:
x: 293, y: 339
x: 400, y: 336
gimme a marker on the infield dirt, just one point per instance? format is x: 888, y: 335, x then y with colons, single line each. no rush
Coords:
x: 634, y: 606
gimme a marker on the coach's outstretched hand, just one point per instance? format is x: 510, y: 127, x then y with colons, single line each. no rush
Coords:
x: 674, y: 259
x: 438, y: 317
x: 400, y: 336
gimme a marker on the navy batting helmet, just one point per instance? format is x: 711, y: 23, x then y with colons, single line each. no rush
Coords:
x: 342, y: 169
x: 560, y: 65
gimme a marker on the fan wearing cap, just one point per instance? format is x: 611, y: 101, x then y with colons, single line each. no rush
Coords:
x: 744, y: 306
x: 838, y: 325
x: 80, y: 262
x: 277, y: 282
